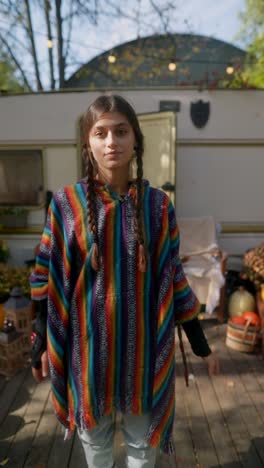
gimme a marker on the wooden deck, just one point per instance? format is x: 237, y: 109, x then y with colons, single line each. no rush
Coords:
x: 219, y: 422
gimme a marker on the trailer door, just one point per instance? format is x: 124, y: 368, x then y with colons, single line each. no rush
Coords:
x: 159, y: 162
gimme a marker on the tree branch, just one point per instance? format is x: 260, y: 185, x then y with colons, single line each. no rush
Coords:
x: 50, y: 49
x: 83, y: 9
x: 10, y: 34
x: 160, y: 12
x: 117, y: 12
x: 33, y: 47
x: 71, y: 16
x: 61, y: 61
x: 19, y: 67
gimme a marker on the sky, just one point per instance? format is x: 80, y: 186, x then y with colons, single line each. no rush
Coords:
x: 218, y: 19
x: 206, y: 17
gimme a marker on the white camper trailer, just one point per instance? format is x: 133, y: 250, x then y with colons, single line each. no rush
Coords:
x: 215, y: 168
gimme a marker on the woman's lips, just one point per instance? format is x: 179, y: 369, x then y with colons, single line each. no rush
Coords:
x: 113, y: 153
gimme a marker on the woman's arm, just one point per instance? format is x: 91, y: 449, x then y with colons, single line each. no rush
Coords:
x: 39, y: 358
x: 200, y: 346
x: 196, y: 337
x: 39, y: 293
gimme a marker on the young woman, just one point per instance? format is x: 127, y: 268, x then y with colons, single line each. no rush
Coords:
x: 109, y: 273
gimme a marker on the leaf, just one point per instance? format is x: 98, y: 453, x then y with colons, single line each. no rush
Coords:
x: 4, y: 461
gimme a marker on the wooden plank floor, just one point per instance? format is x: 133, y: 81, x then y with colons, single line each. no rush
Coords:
x: 219, y: 422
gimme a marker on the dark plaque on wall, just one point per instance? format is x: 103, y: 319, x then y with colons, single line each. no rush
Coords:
x: 200, y: 112
x: 174, y: 106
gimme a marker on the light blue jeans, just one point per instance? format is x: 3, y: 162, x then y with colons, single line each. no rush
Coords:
x: 98, y: 443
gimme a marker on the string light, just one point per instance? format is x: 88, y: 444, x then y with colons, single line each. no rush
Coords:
x: 49, y: 43
x: 172, y: 66
x: 230, y: 69
x: 111, y: 58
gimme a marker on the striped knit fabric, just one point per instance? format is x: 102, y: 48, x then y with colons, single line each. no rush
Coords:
x: 111, y: 333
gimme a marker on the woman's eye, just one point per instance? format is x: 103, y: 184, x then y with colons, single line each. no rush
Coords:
x: 122, y: 131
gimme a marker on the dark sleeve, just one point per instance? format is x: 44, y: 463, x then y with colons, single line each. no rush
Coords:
x: 40, y: 341
x: 196, y: 337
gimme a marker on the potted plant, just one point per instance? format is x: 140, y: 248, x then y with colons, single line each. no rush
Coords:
x: 13, y: 216
x: 4, y: 252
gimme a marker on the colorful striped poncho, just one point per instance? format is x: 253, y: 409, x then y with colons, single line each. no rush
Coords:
x: 111, y: 332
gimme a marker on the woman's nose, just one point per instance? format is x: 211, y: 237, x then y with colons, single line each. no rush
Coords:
x: 111, y: 140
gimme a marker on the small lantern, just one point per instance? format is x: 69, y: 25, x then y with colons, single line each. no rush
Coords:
x: 8, y: 332
x: 11, y: 349
x: 18, y: 310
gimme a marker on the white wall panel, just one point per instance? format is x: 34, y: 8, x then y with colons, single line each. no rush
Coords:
x: 225, y: 182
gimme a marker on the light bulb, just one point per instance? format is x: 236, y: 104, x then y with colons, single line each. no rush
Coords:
x: 111, y: 58
x: 230, y: 69
x: 172, y: 66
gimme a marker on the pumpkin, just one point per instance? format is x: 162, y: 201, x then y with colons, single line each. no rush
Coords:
x: 262, y: 292
x: 252, y: 318
x: 238, y: 320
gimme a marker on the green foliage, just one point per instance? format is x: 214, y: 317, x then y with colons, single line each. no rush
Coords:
x: 252, y: 31
x: 252, y: 19
x: 8, y: 80
x: 12, y: 210
x: 11, y: 277
x: 241, y: 79
x: 4, y: 252
x: 255, y: 67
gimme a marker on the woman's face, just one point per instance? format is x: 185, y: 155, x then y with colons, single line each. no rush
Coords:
x: 112, y: 142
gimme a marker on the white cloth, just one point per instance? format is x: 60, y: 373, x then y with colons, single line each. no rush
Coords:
x: 203, y: 268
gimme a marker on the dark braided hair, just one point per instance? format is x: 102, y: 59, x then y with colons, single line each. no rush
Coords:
x: 101, y: 105
x: 138, y: 213
x: 90, y: 201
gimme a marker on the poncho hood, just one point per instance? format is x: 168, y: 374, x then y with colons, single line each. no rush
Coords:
x: 107, y: 194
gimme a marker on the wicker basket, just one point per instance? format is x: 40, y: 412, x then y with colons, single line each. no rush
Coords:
x: 245, y: 338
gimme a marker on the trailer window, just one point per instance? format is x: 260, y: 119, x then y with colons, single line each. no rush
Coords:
x: 21, y: 178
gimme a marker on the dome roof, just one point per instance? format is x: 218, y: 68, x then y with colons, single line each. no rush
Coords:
x: 144, y: 63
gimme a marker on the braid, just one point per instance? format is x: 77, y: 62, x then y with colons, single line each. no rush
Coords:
x: 138, y: 214
x: 91, y: 212
x: 138, y: 202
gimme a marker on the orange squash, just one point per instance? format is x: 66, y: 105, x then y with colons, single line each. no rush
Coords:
x: 238, y: 320
x: 252, y: 318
